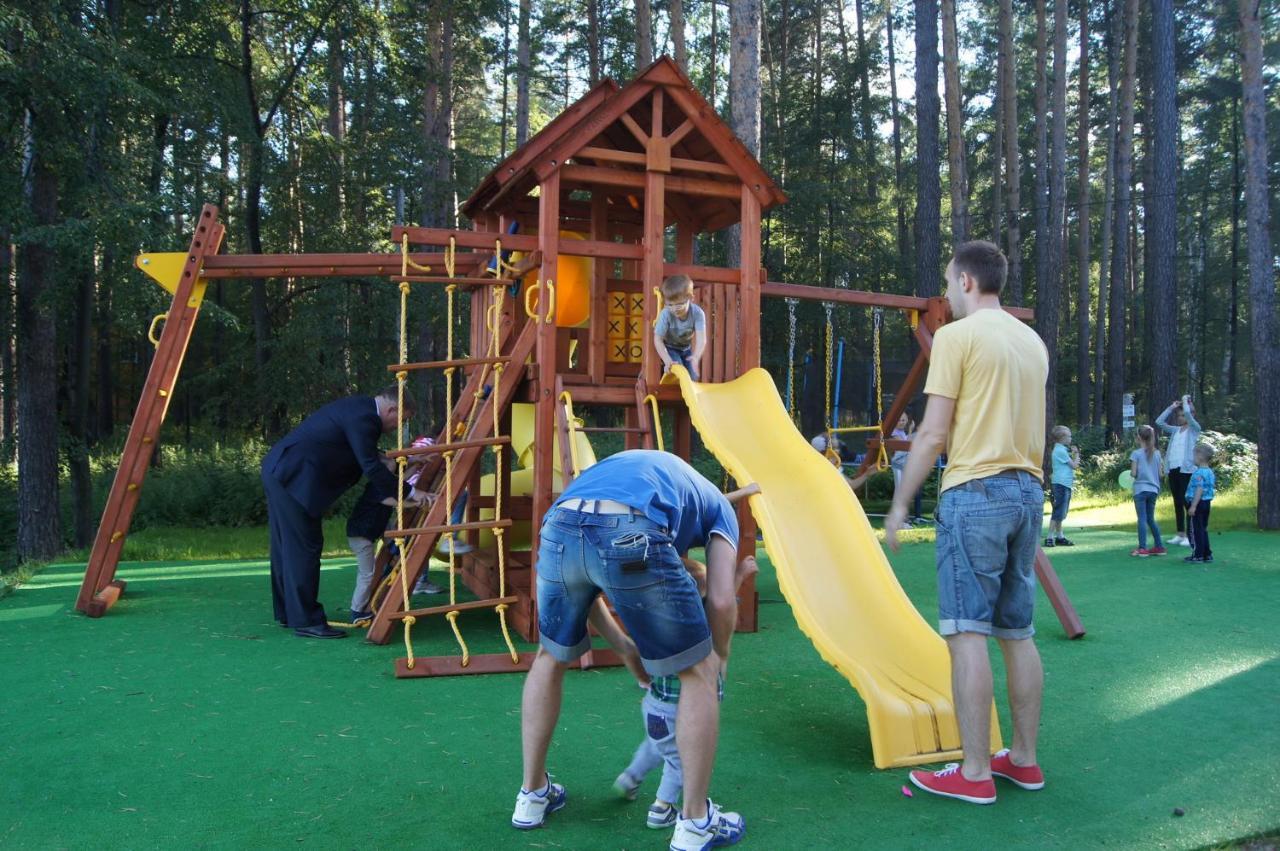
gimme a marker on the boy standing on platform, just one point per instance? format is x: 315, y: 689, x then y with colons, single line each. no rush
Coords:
x: 680, y: 334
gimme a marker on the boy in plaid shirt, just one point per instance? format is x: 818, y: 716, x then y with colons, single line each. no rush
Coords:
x: 658, y: 708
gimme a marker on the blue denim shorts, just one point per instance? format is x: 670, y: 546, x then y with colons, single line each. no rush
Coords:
x: 988, y: 532
x: 1060, y: 499
x: 631, y: 560
x: 683, y: 355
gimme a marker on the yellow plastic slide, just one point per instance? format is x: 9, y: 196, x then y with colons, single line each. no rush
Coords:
x: 832, y: 570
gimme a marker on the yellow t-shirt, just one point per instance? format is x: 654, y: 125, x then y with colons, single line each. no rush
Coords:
x: 995, y: 369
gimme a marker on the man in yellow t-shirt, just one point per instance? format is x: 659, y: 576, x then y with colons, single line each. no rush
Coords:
x: 986, y: 390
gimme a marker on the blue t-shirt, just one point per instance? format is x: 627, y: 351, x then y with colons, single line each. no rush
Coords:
x: 1063, y: 474
x: 1201, y: 477
x: 677, y: 331
x: 666, y: 489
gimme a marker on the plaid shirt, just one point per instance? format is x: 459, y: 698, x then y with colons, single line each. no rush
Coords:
x: 667, y: 688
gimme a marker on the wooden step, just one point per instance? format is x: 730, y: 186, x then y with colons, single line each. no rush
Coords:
x: 443, y: 364
x: 449, y: 447
x: 456, y: 607
x: 448, y: 527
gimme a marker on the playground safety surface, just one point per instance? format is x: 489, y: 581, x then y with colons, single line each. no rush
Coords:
x: 185, y: 717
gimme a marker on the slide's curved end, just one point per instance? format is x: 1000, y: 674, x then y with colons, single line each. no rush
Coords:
x: 832, y: 571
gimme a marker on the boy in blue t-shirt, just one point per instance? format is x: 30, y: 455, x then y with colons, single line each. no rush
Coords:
x: 1066, y: 460
x: 680, y: 334
x: 1200, y: 492
x: 658, y: 708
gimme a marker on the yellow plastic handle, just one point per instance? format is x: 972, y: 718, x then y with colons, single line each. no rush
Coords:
x: 528, y: 298
x: 151, y: 332
x: 572, y: 423
x: 652, y: 401
x: 551, y: 302
x: 657, y: 291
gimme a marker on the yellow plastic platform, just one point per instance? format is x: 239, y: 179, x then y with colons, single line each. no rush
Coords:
x: 833, y: 571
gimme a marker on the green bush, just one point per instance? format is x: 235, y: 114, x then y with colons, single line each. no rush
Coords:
x: 1236, y: 461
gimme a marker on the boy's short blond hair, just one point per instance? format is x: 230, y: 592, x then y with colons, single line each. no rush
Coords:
x: 1060, y: 431
x: 676, y: 285
x: 1207, y: 449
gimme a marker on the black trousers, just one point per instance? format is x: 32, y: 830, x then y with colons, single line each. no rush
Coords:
x: 296, y: 543
x: 1200, y: 530
x: 1178, y: 485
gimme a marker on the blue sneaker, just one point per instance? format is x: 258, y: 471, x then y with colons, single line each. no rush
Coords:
x: 661, y: 816
x: 532, y: 808
x: 716, y: 830
x: 626, y: 787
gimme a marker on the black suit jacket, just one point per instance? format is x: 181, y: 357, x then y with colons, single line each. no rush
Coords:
x: 327, y: 453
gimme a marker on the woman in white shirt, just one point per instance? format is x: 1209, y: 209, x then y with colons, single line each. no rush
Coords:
x: 1184, y: 433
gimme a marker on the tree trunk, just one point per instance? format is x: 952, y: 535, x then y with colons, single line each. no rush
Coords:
x: 677, y: 35
x: 1084, y: 381
x: 713, y: 54
x: 523, y: 72
x: 1263, y: 326
x: 1049, y: 302
x: 900, y: 199
x: 644, y: 35
x: 744, y: 91
x: 1233, y: 328
x: 8, y: 396
x: 868, y: 116
x: 928, y: 190
x: 997, y: 157
x: 959, y: 181
x: 337, y: 121
x: 1120, y: 261
x: 593, y: 41
x: 1012, y: 167
x: 39, y: 522
x: 1115, y: 38
x: 1040, y: 200
x: 1162, y: 210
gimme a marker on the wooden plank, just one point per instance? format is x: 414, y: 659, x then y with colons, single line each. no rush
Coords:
x: 544, y: 407
x: 148, y: 418
x: 598, y: 329
x: 636, y: 131
x: 442, y: 364
x: 654, y: 244
x: 749, y: 288
x: 105, y: 599
x: 454, y: 446
x: 701, y: 274
x: 590, y: 126
x: 323, y: 265
x: 488, y: 663
x: 805, y: 292
x: 685, y: 164
x: 1057, y: 595
x: 677, y: 135
x: 611, y: 155
x: 470, y: 605
x: 704, y: 187
x: 392, y: 534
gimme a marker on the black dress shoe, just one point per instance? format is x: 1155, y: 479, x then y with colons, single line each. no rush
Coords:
x: 319, y: 631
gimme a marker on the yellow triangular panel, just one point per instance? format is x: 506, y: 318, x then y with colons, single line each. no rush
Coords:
x: 165, y: 268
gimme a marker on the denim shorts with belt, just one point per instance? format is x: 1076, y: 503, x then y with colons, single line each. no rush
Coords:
x: 988, y: 532
x: 632, y: 561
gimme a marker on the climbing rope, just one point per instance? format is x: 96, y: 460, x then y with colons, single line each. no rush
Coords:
x: 877, y: 321
x: 498, y: 455
x: 401, y: 461
x: 827, y: 406
x: 452, y: 616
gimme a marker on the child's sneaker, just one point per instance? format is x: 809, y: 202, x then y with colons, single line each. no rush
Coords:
x: 1185, y: 541
x: 427, y: 587
x: 1207, y: 560
x: 661, y: 816
x: 1063, y: 542
x: 1157, y: 551
x: 951, y: 783
x: 718, y: 829
x: 1026, y: 776
x: 1140, y: 552
x: 1048, y: 542
x: 1192, y: 559
x: 532, y: 808
x: 626, y: 787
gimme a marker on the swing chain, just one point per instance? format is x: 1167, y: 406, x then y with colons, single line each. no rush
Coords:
x: 791, y: 356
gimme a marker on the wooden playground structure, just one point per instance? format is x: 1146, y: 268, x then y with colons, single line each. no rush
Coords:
x: 590, y: 203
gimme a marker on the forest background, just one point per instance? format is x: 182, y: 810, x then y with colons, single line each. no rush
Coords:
x: 1117, y: 149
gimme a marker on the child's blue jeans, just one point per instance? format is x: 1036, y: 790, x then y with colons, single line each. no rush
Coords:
x: 1145, y: 503
x: 1200, y: 530
x: 684, y: 357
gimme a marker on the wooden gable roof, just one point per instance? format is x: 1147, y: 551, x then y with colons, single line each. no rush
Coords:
x: 607, y: 117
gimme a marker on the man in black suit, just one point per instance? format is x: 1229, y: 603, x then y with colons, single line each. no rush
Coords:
x: 303, y: 475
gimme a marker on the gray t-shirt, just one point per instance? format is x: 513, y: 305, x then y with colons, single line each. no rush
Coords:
x: 1148, y: 478
x: 678, y: 332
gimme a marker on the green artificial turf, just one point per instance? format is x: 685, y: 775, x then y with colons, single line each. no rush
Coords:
x: 186, y: 718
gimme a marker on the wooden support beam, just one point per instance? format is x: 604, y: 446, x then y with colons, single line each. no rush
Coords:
x: 654, y: 244
x: 489, y: 663
x: 453, y: 446
x: 677, y: 135
x: 598, y: 331
x: 1057, y: 595
x: 443, y: 364
x: 324, y: 265
x: 442, y: 528
x: 701, y: 274
x: 457, y: 607
x: 544, y: 420
x: 592, y: 176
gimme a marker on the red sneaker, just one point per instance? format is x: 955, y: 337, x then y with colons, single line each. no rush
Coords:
x: 1157, y: 551
x: 951, y: 783
x: 1140, y: 553
x: 1028, y: 777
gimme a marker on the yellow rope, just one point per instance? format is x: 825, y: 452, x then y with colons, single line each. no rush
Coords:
x: 401, y: 377
x: 831, y: 452
x: 571, y: 423
x: 405, y: 263
x: 448, y: 473
x: 501, y: 265
x: 877, y: 319
x: 498, y: 531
